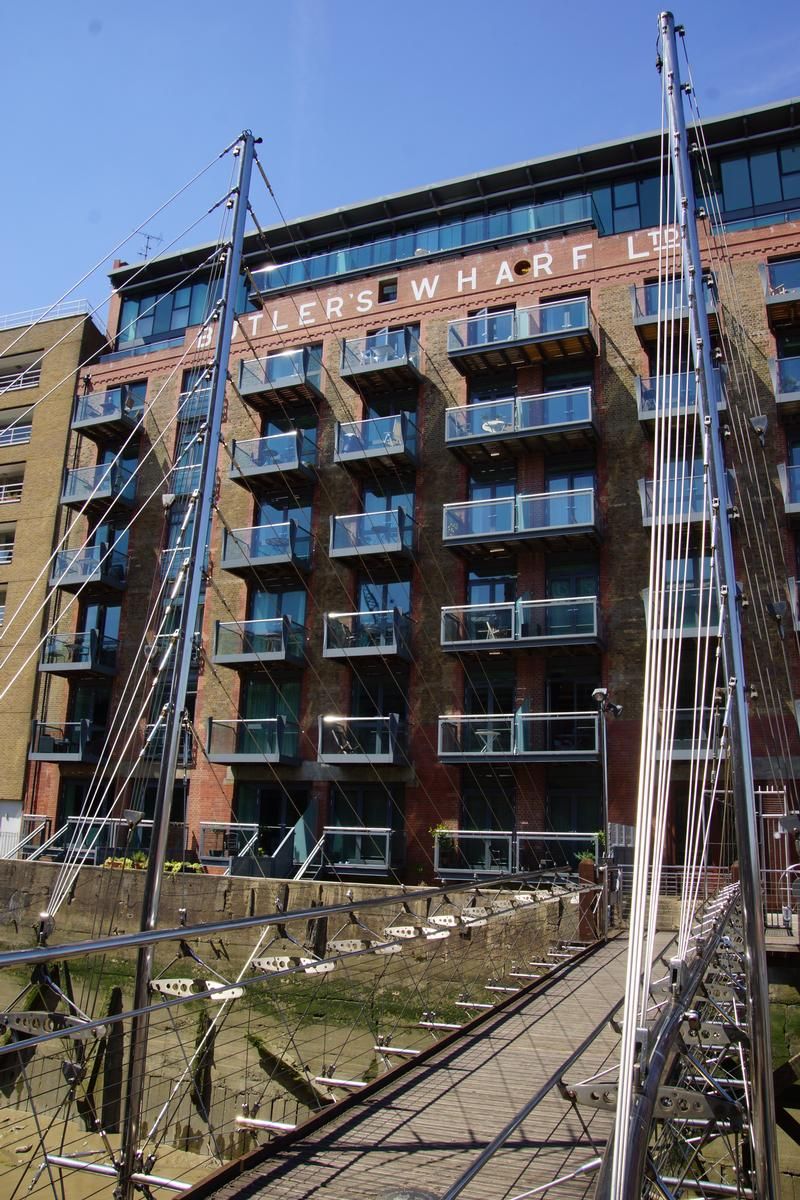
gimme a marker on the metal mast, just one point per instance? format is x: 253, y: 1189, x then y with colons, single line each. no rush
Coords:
x: 180, y: 677
x: 761, y: 1098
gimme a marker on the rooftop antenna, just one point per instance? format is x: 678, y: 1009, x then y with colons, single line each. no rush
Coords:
x: 149, y: 239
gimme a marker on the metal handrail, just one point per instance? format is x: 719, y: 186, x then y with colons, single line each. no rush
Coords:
x: 304, y: 867
x: 24, y: 841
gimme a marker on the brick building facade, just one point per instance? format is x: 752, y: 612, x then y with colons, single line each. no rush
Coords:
x: 431, y: 535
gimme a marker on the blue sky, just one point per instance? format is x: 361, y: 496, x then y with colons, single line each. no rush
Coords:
x: 110, y: 108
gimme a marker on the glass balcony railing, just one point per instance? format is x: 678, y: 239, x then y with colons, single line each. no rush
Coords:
x: 361, y: 740
x: 528, y: 622
x: 676, y: 393
x: 652, y: 301
x: 366, y: 633
x: 518, y: 516
x: 95, y: 840
x: 73, y: 741
x: 291, y: 370
x: 692, y: 610
x: 783, y: 280
x: 254, y: 740
x: 680, y: 499
x: 105, y: 482
x: 266, y: 545
x: 115, y: 407
x: 154, y: 743
x: 387, y: 532
x: 786, y: 379
x: 443, y: 237
x: 553, y: 737
x: 790, y: 485
x: 266, y: 639
x: 379, y: 351
x: 377, y: 437
x: 85, y: 651
x: 473, y: 851
x: 91, y: 565
x: 358, y: 848
x: 516, y: 416
x: 554, y: 319
x: 272, y: 455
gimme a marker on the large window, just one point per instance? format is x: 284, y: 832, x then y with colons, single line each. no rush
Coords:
x: 155, y: 316
x: 762, y: 182
x: 629, y: 204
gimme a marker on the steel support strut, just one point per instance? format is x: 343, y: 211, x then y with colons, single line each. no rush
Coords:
x: 129, y: 1166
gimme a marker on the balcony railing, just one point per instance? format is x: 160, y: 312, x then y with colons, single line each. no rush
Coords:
x: 516, y: 336
x: 675, y: 394
x: 184, y: 479
x: 73, y: 741
x: 72, y: 569
x: 88, y: 652
x: 391, y: 438
x: 357, y: 740
x: 786, y: 381
x: 253, y: 740
x: 789, y: 476
x: 546, y: 737
x: 794, y: 602
x: 293, y: 373
x: 113, y: 412
x: 194, y: 403
x: 390, y: 531
x: 519, y: 417
x: 358, y: 849
x: 692, y: 611
x: 267, y: 639
x: 15, y: 435
x: 522, y: 622
x: 366, y: 634
x: 154, y: 743
x: 6, y: 554
x: 220, y: 841
x: 278, y: 454
x: 782, y: 291
x: 94, y: 840
x: 473, y: 852
x: 391, y: 356
x: 514, y: 517
x: 694, y: 734
x: 10, y: 493
x: 680, y: 499
x: 102, y: 483
x: 652, y: 301
x: 17, y: 381
x: 266, y: 546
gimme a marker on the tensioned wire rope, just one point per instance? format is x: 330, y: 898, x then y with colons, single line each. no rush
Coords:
x: 428, y: 355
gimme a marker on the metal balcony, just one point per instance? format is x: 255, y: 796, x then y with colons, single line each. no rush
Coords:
x: 654, y: 303
x: 378, y: 442
x: 253, y: 740
x: 674, y: 395
x: 105, y: 415
x: 386, y: 534
x: 781, y: 282
x: 266, y: 548
x: 503, y: 428
x: 681, y: 499
x: 350, y: 741
x: 94, y: 567
x: 98, y: 487
x: 359, y: 850
x: 385, y: 361
x: 265, y: 640
x: 162, y: 642
x: 93, y: 841
x: 554, y: 517
x: 789, y: 477
x: 553, y: 330
x: 71, y: 742
x: 153, y: 749
x: 270, y: 460
x: 15, y: 435
x: 537, y: 737
x: 291, y: 375
x: 785, y: 374
x: 86, y: 653
x: 571, y: 621
x: 381, y: 634
x: 690, y: 612
x: 473, y: 852
x: 11, y: 492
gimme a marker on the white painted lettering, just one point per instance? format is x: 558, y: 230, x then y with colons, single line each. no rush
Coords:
x: 205, y: 337
x: 304, y: 316
x: 276, y: 325
x: 632, y: 254
x: 333, y: 307
x: 255, y: 320
x: 504, y: 275
x: 364, y: 300
x: 579, y: 255
x: 542, y: 263
x: 424, y: 289
x: 470, y: 278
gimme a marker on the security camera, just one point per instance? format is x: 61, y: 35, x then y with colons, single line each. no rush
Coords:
x: 599, y: 694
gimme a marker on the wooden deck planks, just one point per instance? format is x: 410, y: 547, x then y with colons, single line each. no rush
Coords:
x: 426, y: 1130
